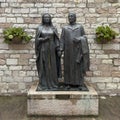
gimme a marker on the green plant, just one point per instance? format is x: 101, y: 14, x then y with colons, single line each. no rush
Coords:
x: 105, y: 34
x: 15, y: 35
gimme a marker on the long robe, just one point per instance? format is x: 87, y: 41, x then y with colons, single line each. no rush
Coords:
x: 46, y: 56
x: 76, y: 55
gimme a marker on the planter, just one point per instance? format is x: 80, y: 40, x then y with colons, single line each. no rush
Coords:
x: 105, y: 34
x: 16, y: 40
x: 15, y: 35
x: 103, y: 41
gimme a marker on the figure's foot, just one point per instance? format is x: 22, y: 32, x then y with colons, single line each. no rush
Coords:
x: 55, y: 86
x: 67, y: 87
x: 39, y: 88
x: 82, y: 88
x: 52, y: 88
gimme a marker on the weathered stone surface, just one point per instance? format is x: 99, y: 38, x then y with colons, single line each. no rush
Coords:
x: 101, y: 79
x: 2, y: 62
x: 117, y: 62
x: 15, y: 67
x: 111, y: 86
x: 2, y: 19
x: 17, y: 62
x: 113, y: 1
x: 116, y: 73
x: 77, y: 103
x: 11, y: 61
x: 111, y: 47
x: 107, y: 61
x: 101, y: 86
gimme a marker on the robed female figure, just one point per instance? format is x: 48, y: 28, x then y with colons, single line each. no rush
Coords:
x: 47, y: 59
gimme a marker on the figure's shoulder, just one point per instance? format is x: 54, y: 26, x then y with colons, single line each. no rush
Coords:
x: 40, y: 27
x: 65, y: 27
x: 54, y: 28
x: 79, y: 25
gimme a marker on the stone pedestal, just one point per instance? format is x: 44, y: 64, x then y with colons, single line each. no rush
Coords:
x: 62, y: 103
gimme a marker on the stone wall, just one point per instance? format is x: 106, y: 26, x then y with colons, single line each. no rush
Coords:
x: 17, y: 62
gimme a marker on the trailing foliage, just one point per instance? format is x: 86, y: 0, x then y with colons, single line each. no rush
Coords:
x: 105, y: 34
x: 15, y: 34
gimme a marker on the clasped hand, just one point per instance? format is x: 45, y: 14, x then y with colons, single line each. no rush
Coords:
x: 76, y: 40
x: 59, y: 53
x: 44, y: 39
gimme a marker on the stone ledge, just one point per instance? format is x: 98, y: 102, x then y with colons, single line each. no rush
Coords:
x: 62, y: 103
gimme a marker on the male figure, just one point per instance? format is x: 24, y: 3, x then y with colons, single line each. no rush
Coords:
x: 76, y: 53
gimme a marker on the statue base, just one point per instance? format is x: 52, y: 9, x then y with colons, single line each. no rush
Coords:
x: 62, y: 103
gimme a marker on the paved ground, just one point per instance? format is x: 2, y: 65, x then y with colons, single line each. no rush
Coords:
x: 14, y: 108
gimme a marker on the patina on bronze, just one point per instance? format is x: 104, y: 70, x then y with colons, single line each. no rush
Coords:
x: 47, y: 54
x: 76, y: 54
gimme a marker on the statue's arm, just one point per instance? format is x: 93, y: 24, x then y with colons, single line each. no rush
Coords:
x: 62, y: 38
x: 39, y: 40
x: 86, y: 55
x: 36, y: 41
x: 57, y: 41
x: 82, y: 37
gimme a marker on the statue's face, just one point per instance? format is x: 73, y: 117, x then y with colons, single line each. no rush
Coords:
x: 72, y: 18
x: 47, y: 19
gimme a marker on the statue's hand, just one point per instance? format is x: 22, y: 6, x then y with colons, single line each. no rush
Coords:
x: 59, y: 53
x: 46, y: 38
x: 41, y: 39
x: 76, y: 40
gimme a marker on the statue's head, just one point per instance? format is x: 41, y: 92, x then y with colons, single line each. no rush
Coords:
x: 46, y: 19
x: 72, y: 18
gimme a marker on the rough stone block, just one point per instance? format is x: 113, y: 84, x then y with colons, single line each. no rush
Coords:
x: 97, y: 73
x: 38, y: 5
x: 15, y: 67
x: 3, y: 4
x: 101, y: 86
x: 11, y: 61
x: 62, y: 103
x: 111, y: 86
x: 91, y: 1
x: 113, y: 1
x: 21, y: 86
x: 58, y: 4
x: 111, y: 47
x: 107, y: 61
x: 116, y: 73
x: 33, y: 10
x: 102, y: 19
x: 117, y: 62
x: 20, y: 20
x: 28, y: 79
x: 2, y: 61
x: 30, y: 73
x: 27, y: 5
x: 102, y: 56
x: 3, y: 67
x: 22, y: 73
x: 4, y: 46
x: 1, y: 73
x: 2, y: 19
x: 112, y: 20
x: 119, y: 86
x: 8, y: 10
x: 116, y: 79
x: 101, y: 79
x: 114, y: 55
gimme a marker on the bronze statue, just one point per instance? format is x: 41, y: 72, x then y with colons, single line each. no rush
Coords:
x: 47, y: 54
x: 76, y: 53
